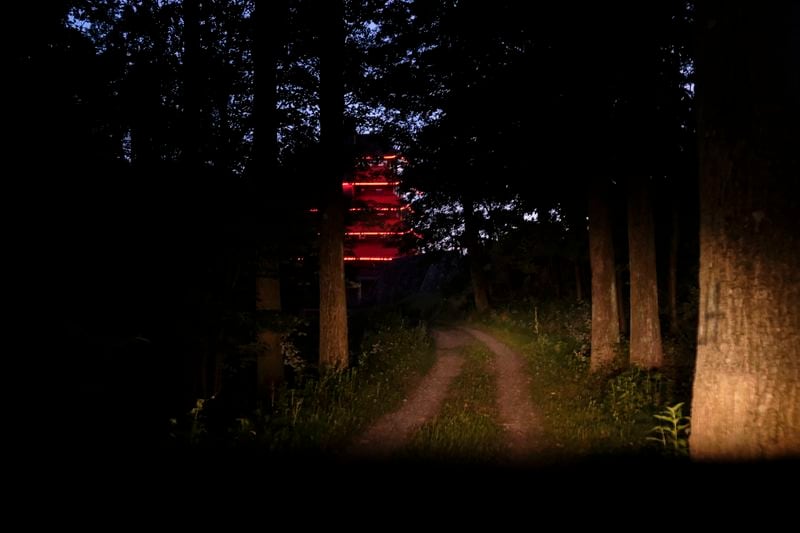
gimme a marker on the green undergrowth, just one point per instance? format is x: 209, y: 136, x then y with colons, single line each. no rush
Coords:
x: 321, y: 414
x: 466, y: 428
x: 584, y: 413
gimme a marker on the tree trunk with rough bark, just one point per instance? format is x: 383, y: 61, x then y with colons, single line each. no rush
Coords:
x: 333, y: 343
x: 269, y: 19
x: 605, y: 318
x: 645, y: 329
x: 746, y: 401
x: 333, y: 350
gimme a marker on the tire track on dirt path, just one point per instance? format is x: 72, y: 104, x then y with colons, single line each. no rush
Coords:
x: 517, y: 413
x: 394, y: 430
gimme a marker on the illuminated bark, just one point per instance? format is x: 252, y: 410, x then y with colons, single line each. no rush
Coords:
x: 333, y: 349
x: 645, y: 329
x: 605, y: 317
x: 746, y: 402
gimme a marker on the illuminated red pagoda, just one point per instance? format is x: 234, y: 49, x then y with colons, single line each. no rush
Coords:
x: 376, y: 225
x: 377, y: 233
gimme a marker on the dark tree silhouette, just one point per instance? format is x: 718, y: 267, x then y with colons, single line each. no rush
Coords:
x: 333, y: 343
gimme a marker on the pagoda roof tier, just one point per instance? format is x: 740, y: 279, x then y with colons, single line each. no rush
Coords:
x: 371, y: 250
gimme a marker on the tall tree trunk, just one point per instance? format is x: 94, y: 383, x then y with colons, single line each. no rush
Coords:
x: 269, y: 35
x: 555, y: 269
x: 212, y: 362
x: 622, y: 311
x: 333, y: 349
x: 190, y: 158
x: 672, y: 275
x: 269, y: 358
x: 578, y: 281
x: 192, y: 86
x: 605, y: 317
x: 645, y: 333
x: 475, y: 254
x: 575, y: 214
x: 269, y: 20
x: 746, y: 401
x: 145, y: 106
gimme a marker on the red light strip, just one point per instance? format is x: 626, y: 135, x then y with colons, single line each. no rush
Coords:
x: 373, y: 233
x: 354, y: 258
x: 380, y: 208
x: 392, y: 156
x: 369, y: 183
x: 403, y: 208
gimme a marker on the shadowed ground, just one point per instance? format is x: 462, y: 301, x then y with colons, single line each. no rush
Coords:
x: 517, y: 415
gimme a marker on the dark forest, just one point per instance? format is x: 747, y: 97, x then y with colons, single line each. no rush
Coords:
x: 399, y: 232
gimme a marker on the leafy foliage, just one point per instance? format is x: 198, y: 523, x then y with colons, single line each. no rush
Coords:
x: 584, y: 413
x: 672, y: 433
x: 321, y: 414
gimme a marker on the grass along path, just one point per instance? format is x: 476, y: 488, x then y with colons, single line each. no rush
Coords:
x: 582, y: 414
